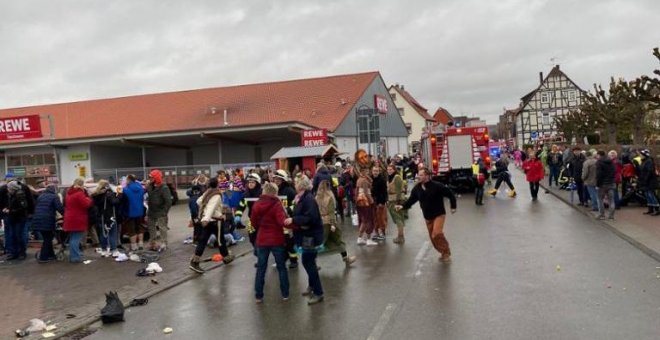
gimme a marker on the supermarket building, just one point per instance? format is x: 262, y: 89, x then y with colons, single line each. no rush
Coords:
x: 186, y: 133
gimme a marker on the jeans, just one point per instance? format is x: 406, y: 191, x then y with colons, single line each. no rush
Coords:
x: 651, y: 200
x: 504, y: 176
x: 479, y: 194
x: 280, y: 255
x: 606, y: 190
x: 15, y: 232
x: 47, y: 252
x: 534, y: 189
x: 593, y: 196
x: 74, y: 246
x: 309, y: 262
x: 109, y: 241
x: 554, y: 173
x: 579, y: 185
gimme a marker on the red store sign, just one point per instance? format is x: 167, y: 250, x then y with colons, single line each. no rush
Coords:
x: 316, y: 137
x: 24, y: 127
x: 380, y: 103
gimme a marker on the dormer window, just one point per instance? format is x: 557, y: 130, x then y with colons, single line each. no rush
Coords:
x: 545, y: 97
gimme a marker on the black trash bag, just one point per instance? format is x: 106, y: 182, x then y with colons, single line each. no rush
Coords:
x: 113, y: 310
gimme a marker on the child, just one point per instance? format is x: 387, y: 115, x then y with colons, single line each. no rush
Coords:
x: 193, y: 194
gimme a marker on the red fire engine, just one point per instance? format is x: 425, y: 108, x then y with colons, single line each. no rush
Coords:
x: 449, y: 153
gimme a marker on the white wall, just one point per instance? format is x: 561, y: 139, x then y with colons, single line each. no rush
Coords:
x: 69, y: 169
x: 410, y: 116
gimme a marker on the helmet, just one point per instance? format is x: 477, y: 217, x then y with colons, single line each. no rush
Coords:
x: 254, y: 177
x: 646, y: 152
x: 281, y: 173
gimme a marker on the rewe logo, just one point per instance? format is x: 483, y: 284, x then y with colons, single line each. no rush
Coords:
x: 15, y: 125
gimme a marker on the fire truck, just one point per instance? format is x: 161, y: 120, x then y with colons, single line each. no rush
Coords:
x: 449, y: 153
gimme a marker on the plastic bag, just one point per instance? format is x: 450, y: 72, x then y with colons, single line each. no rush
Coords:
x: 354, y: 220
x: 113, y: 310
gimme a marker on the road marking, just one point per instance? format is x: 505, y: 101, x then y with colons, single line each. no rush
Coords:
x: 378, y: 330
x: 422, y: 252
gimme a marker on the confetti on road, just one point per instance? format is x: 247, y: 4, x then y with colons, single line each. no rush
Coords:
x: 167, y: 330
x: 558, y: 268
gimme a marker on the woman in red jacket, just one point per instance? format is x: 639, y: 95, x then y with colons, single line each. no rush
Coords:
x: 534, y: 173
x: 76, y: 206
x: 267, y: 217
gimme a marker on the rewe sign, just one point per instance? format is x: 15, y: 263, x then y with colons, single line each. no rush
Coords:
x: 316, y: 137
x: 24, y: 127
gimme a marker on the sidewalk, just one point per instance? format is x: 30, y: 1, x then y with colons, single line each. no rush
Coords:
x: 642, y: 231
x: 50, y: 291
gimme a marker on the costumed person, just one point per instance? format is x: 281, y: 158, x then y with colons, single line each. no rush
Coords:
x: 250, y: 196
x: 282, y: 180
x: 395, y: 195
x: 210, y: 213
x: 268, y: 217
x: 503, y: 175
x: 430, y: 195
x: 308, y: 232
x: 332, y: 235
x: 364, y: 203
x: 533, y: 168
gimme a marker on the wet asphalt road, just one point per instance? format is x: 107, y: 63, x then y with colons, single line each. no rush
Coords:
x: 520, y: 270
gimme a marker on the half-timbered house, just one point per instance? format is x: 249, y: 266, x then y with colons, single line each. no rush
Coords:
x: 555, y: 96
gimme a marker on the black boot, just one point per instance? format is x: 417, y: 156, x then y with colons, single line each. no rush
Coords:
x: 194, y: 265
x: 650, y: 211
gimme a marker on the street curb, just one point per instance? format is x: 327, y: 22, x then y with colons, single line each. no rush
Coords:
x: 646, y: 250
x: 91, y: 318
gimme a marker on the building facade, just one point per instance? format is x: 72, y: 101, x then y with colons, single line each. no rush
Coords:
x: 555, y: 96
x: 414, y: 115
x: 187, y: 133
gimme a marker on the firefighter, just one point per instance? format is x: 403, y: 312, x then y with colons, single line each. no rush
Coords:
x: 283, y: 182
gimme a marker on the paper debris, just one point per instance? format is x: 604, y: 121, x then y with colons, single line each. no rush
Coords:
x: 48, y: 335
x: 167, y: 330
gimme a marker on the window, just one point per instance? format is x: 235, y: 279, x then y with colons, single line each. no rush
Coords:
x: 393, y: 95
x: 409, y: 128
x: 546, y: 118
x: 401, y: 111
x: 572, y: 96
x: 545, y: 97
x: 369, y: 128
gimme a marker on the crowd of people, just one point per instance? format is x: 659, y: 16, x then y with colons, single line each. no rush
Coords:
x: 602, y: 180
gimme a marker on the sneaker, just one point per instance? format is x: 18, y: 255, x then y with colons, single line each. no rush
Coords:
x: 378, y: 237
x: 99, y: 251
x: 285, y: 299
x: 512, y: 193
x: 314, y: 300
x: 371, y: 243
x: 349, y: 260
x: 162, y: 248
x: 105, y: 253
x: 361, y: 241
x: 116, y: 253
x: 601, y: 217
x: 259, y: 301
x: 188, y: 240
x: 399, y: 240
x: 492, y: 192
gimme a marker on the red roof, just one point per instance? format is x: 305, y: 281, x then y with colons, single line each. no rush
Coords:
x: 442, y: 116
x: 415, y: 104
x: 321, y: 102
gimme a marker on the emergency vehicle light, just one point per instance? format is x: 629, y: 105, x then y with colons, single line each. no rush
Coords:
x: 435, y: 161
x: 485, y: 136
x: 458, y: 130
x: 433, y: 139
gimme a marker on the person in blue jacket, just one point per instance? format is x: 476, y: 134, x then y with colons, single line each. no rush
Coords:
x: 308, y: 233
x: 44, y: 219
x: 134, y: 193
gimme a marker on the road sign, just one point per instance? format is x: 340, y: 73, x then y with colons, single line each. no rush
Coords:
x: 535, y: 135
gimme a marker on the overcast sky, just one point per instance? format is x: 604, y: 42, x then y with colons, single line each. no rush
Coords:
x: 470, y: 57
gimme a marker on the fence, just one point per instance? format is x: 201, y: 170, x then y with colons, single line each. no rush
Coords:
x: 179, y: 176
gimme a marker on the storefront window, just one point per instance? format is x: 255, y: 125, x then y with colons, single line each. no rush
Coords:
x: 14, y: 160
